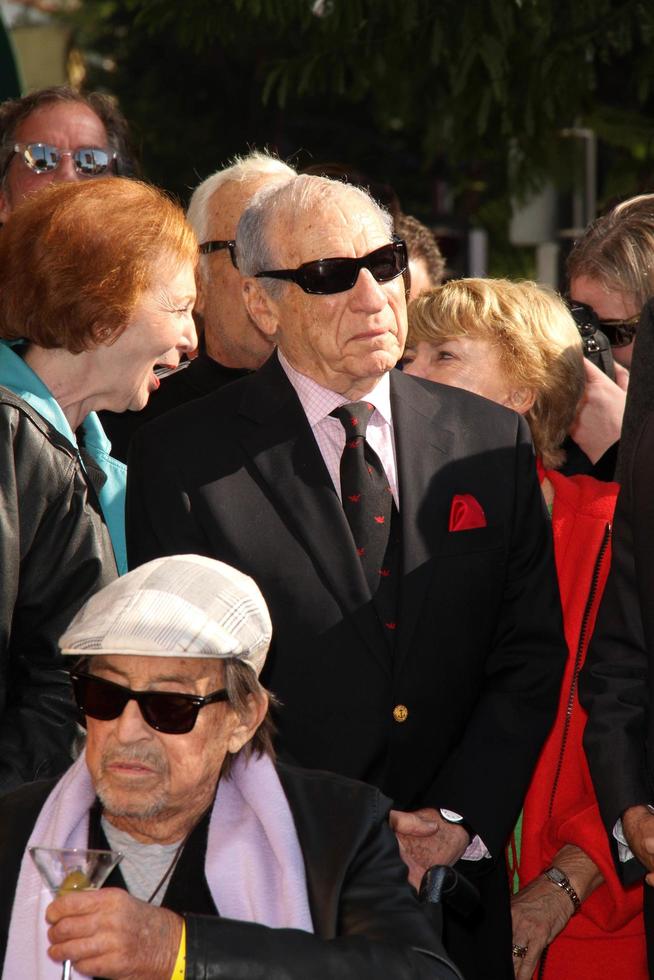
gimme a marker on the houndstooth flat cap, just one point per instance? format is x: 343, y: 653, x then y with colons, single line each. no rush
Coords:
x: 182, y: 606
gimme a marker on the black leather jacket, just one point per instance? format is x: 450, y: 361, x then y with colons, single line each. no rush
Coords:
x: 55, y: 551
x: 368, y: 923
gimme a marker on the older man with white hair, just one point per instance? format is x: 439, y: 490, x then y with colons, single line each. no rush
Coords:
x: 231, y: 337
x: 396, y: 529
x: 232, y: 866
x: 231, y: 343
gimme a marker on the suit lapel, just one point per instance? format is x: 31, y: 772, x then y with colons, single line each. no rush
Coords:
x: 423, y: 450
x: 275, y: 433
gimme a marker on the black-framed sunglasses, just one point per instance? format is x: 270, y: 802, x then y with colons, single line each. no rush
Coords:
x: 619, y: 333
x: 43, y: 158
x: 207, y: 247
x: 326, y: 276
x: 165, y: 711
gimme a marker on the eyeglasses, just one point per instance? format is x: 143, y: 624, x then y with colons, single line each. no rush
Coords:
x: 43, y: 158
x: 619, y: 333
x: 326, y: 276
x: 207, y: 247
x: 165, y: 711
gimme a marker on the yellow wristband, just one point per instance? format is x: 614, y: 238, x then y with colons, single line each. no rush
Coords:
x: 179, y: 970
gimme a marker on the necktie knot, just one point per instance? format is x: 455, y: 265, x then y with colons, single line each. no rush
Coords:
x: 354, y: 418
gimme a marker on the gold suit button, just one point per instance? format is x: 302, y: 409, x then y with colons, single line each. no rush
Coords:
x: 400, y: 712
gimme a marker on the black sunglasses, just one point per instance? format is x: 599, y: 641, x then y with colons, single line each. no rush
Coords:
x: 207, y: 247
x: 43, y: 158
x: 165, y: 711
x: 326, y: 276
x: 619, y: 333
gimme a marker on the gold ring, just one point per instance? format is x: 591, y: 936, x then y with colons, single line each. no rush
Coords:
x: 519, y: 951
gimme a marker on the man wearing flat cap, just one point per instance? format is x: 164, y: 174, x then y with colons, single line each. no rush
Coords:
x: 232, y: 866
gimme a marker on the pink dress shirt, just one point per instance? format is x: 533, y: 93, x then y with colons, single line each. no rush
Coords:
x: 329, y: 433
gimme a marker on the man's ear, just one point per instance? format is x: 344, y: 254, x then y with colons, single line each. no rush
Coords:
x: 521, y: 400
x: 247, y: 722
x: 260, y: 306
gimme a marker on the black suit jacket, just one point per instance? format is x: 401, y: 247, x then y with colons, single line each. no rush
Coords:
x: 617, y: 683
x: 367, y: 921
x: 202, y: 376
x: 238, y: 476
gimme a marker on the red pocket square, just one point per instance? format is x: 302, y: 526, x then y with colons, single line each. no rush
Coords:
x: 466, y: 513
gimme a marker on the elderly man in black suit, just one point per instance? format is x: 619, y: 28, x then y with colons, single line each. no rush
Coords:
x: 397, y: 531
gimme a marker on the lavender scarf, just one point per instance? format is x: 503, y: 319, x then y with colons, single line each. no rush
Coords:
x: 254, y: 865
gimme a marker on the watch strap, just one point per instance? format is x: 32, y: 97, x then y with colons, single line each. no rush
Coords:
x: 561, y: 880
x: 450, y: 817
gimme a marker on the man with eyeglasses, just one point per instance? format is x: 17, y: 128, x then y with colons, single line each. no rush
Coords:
x: 231, y: 344
x: 56, y: 134
x: 410, y: 581
x: 231, y: 865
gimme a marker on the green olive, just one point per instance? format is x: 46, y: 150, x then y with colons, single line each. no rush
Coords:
x: 75, y: 881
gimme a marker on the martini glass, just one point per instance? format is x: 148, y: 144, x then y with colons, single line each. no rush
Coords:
x: 71, y: 870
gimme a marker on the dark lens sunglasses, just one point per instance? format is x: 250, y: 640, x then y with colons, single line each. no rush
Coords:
x: 619, y: 333
x: 207, y: 247
x: 326, y: 276
x: 165, y: 711
x: 43, y: 158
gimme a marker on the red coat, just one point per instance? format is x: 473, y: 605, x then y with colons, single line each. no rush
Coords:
x: 606, y: 937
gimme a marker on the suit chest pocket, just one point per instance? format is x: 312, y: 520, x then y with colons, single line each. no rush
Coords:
x: 471, y: 542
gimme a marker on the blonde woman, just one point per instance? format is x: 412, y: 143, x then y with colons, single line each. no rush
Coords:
x: 516, y: 344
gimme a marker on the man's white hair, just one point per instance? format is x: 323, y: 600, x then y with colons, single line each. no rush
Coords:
x: 304, y: 193
x: 252, y: 167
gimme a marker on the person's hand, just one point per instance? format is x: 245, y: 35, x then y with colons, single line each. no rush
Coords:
x: 108, y: 933
x: 598, y: 423
x: 426, y: 839
x: 638, y: 828
x: 542, y: 909
x: 539, y: 912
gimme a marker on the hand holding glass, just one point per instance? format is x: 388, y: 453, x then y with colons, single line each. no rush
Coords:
x: 73, y: 869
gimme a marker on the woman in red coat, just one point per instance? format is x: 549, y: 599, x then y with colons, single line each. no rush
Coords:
x: 517, y: 344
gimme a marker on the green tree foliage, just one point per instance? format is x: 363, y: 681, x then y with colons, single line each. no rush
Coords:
x: 408, y: 89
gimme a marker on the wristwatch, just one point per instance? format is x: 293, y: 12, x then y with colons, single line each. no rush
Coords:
x: 561, y: 880
x: 449, y: 816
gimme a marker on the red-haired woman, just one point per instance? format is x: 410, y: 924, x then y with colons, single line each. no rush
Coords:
x: 96, y: 288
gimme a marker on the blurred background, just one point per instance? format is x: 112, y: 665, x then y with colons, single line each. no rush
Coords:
x: 504, y: 125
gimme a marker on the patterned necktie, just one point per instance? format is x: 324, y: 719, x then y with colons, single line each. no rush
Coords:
x: 366, y: 495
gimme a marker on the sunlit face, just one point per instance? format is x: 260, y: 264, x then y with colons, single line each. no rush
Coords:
x: 231, y: 336
x: 472, y: 363
x: 609, y: 304
x: 67, y: 125
x: 147, y: 778
x: 344, y: 341
x: 159, y: 331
